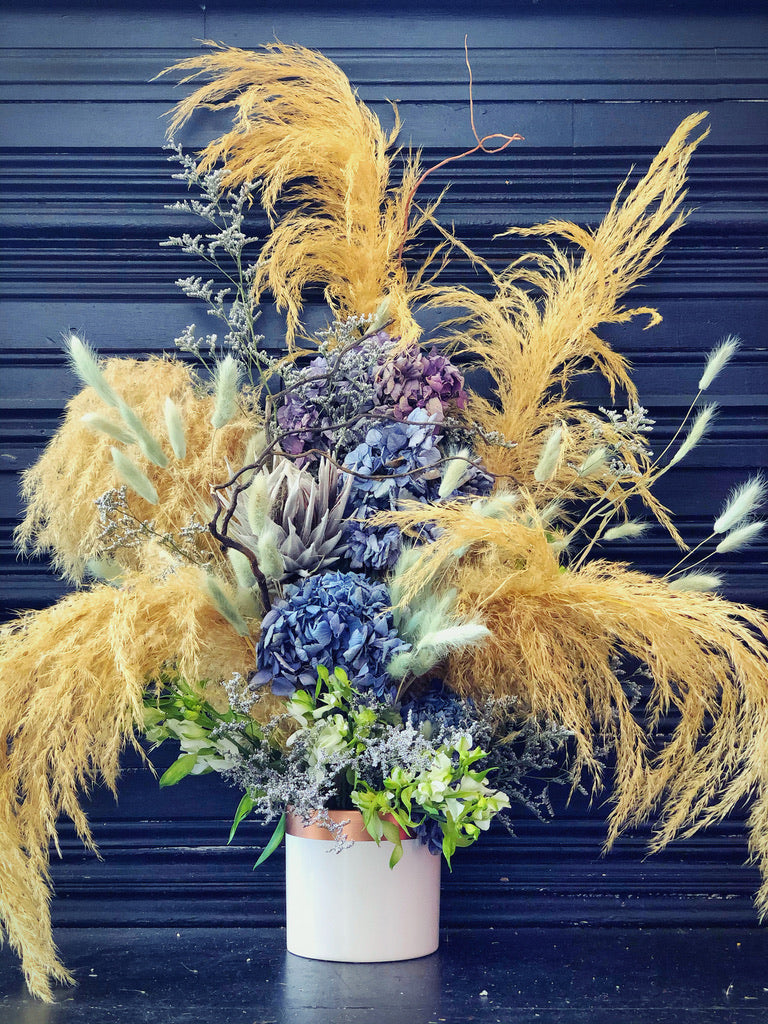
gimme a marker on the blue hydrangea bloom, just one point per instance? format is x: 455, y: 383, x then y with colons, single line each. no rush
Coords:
x: 337, y: 619
x: 371, y: 547
x: 407, y: 456
x: 430, y: 834
x: 440, y: 708
x: 406, y: 453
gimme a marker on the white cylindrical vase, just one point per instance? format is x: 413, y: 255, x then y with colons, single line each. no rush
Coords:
x: 349, y: 905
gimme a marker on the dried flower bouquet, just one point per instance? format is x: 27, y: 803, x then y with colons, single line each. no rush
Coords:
x: 341, y: 576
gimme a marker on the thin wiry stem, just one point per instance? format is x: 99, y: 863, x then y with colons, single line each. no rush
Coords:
x: 480, y: 147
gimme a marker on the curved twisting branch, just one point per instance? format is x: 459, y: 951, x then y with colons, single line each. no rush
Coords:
x: 480, y: 147
x: 227, y: 542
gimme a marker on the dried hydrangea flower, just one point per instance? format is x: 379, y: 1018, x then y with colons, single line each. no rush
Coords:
x: 413, y: 379
x: 339, y: 620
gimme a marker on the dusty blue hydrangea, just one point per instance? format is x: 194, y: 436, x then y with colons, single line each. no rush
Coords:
x: 337, y: 619
x: 396, y: 462
x: 440, y: 710
x: 400, y: 454
x: 430, y: 834
x: 403, y: 458
x: 371, y: 547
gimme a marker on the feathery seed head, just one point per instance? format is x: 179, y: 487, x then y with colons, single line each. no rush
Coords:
x: 697, y: 581
x: 225, y: 606
x: 256, y: 445
x: 454, y: 472
x: 551, y: 511
x: 241, y: 568
x: 226, y: 381
x: 498, y: 506
x: 131, y: 475
x: 175, y: 424
x: 248, y: 602
x: 717, y: 359
x: 699, y: 427
x: 380, y: 317
x: 146, y: 441
x: 105, y: 569
x: 85, y: 365
x: 100, y: 424
x: 271, y: 562
x: 258, y: 503
x: 742, y: 502
x: 632, y: 528
x: 740, y: 537
x: 550, y: 456
x: 593, y: 462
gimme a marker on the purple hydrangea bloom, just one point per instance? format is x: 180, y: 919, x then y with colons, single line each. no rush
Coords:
x: 300, y: 414
x: 416, y: 380
x: 329, y: 391
x: 339, y: 620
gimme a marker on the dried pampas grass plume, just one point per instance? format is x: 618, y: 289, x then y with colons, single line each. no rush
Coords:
x: 72, y: 679
x: 556, y: 639
x: 534, y: 345
x: 301, y: 130
x: 62, y: 519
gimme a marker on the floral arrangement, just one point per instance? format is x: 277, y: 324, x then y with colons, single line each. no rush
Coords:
x: 340, y: 576
x: 408, y: 769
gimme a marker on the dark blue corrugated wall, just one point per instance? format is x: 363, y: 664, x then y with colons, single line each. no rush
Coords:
x: 594, y: 88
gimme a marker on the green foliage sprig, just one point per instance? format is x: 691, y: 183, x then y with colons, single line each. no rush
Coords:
x: 354, y: 749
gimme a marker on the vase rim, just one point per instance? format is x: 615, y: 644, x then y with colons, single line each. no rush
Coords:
x: 351, y: 820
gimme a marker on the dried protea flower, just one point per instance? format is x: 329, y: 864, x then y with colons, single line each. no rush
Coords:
x: 305, y: 516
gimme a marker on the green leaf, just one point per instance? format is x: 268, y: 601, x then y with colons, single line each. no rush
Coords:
x: 449, y: 848
x: 178, y: 770
x: 244, y: 808
x: 153, y: 716
x: 397, y: 853
x: 274, y: 842
x: 390, y: 830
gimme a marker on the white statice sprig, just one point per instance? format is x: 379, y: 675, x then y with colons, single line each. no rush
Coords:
x: 224, y: 247
x: 621, y: 441
x: 121, y: 531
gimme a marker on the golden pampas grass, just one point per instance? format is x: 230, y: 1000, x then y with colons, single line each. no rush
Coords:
x: 62, y: 519
x: 555, y: 637
x: 534, y: 345
x: 72, y: 679
x: 300, y: 129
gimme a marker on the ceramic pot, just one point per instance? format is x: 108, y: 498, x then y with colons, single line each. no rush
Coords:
x: 349, y: 905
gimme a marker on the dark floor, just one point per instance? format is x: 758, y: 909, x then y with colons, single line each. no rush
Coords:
x: 544, y: 975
